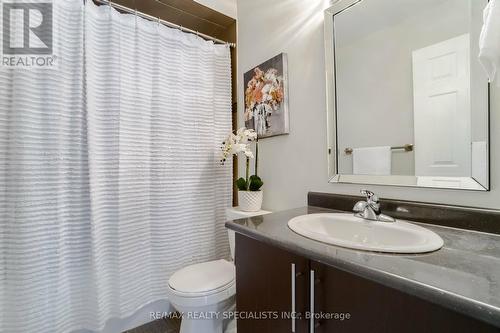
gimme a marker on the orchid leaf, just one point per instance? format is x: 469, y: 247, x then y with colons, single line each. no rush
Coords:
x: 255, y: 183
x: 241, y: 184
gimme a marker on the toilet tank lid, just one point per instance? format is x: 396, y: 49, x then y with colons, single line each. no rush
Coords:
x: 203, y: 277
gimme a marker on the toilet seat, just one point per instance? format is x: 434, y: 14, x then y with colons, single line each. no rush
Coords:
x: 205, y: 293
x: 190, y: 300
x: 204, y: 278
x: 203, y: 284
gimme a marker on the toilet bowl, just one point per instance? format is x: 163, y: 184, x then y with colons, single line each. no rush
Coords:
x: 204, y: 293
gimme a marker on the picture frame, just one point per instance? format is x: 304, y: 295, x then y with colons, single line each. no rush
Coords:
x: 266, y: 97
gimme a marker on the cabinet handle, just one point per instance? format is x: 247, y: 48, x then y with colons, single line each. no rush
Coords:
x: 311, y: 311
x: 293, y: 298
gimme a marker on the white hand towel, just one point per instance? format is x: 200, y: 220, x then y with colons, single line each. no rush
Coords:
x: 489, y: 41
x: 372, y: 161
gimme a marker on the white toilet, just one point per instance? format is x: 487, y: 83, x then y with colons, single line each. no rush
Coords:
x: 203, y: 292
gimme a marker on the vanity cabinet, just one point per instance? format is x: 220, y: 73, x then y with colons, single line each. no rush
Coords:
x: 269, y: 282
x: 269, y: 279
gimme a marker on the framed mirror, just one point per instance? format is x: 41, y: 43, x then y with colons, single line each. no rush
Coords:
x: 408, y: 103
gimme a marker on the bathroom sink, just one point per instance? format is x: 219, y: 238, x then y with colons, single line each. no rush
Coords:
x: 349, y: 231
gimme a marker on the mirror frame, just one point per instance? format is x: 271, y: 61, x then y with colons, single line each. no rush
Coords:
x: 338, y: 6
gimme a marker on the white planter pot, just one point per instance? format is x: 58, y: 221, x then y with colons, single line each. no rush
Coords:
x: 250, y: 201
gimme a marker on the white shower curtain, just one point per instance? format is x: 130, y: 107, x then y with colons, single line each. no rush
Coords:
x: 109, y: 170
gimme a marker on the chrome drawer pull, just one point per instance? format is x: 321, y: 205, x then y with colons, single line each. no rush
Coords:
x: 311, y: 322
x: 293, y: 298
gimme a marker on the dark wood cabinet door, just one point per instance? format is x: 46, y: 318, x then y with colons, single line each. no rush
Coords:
x: 375, y: 308
x: 264, y: 284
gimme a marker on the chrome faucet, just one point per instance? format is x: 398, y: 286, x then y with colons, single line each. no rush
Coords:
x: 370, y: 209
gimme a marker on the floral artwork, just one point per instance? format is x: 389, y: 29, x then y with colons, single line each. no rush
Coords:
x: 266, y: 100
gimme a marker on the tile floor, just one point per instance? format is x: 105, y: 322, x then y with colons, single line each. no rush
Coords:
x: 159, y: 326
x: 172, y: 326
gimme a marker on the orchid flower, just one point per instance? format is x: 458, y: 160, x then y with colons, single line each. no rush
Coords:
x: 238, y: 143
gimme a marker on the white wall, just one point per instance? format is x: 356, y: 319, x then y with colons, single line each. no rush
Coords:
x: 294, y: 164
x: 226, y: 7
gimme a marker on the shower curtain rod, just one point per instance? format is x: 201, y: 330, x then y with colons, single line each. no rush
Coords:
x: 167, y: 23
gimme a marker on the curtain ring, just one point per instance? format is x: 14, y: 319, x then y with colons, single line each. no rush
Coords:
x: 159, y: 21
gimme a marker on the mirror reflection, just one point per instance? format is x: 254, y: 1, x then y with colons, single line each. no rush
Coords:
x: 411, y: 100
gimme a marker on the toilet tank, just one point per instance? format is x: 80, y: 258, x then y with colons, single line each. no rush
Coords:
x: 235, y: 213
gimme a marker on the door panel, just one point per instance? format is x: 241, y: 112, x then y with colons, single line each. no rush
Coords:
x: 375, y: 308
x: 442, y: 108
x: 264, y: 283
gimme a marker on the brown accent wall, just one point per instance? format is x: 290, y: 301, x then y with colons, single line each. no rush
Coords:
x: 230, y: 35
x: 187, y: 13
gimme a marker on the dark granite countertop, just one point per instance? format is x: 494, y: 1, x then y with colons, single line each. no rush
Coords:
x: 463, y: 276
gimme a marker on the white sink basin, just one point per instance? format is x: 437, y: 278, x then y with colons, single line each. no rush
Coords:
x: 347, y: 230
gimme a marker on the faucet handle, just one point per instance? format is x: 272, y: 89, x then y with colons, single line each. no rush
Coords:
x: 370, y: 209
x: 370, y: 196
x: 372, y: 201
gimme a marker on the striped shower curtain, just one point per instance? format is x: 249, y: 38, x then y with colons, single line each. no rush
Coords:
x: 109, y: 170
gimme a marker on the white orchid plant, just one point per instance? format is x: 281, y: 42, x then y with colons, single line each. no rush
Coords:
x: 241, y: 143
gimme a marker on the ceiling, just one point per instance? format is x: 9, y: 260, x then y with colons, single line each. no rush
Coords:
x: 226, y: 7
